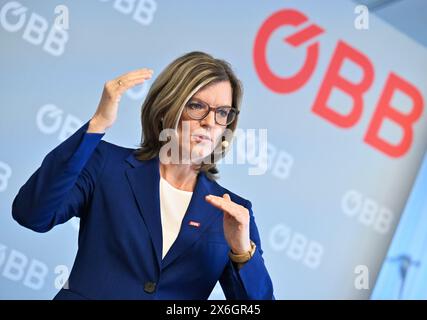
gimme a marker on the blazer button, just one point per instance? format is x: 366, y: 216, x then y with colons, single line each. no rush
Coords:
x: 150, y: 287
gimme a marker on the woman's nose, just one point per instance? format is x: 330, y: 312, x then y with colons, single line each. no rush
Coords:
x: 209, y: 119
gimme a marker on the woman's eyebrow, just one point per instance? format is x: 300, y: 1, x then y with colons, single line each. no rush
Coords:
x: 200, y: 100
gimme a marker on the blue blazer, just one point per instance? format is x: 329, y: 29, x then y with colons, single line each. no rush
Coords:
x: 119, y: 252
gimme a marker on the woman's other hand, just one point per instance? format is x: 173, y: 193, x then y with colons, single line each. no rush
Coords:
x: 236, y: 223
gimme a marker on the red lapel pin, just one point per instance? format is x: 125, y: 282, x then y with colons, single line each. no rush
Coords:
x: 194, y: 223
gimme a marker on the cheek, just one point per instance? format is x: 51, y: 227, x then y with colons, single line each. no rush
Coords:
x: 217, y: 135
x: 186, y: 127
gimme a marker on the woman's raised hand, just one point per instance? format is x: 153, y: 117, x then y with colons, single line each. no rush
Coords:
x: 106, y: 113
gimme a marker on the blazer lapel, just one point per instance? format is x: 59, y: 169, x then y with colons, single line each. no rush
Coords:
x: 144, y: 179
x: 197, y: 219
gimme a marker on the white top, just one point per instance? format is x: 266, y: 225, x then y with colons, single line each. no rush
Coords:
x: 173, y: 205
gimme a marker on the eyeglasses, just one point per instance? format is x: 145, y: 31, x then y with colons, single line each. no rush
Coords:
x: 198, y: 110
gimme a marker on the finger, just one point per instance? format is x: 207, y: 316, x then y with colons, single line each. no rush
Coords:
x: 135, y: 73
x: 144, y: 74
x: 227, y: 206
x: 127, y: 79
x: 226, y: 196
x: 220, y: 203
x: 134, y: 82
x: 139, y: 75
x: 124, y: 85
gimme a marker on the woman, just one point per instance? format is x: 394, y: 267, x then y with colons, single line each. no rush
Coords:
x: 154, y: 225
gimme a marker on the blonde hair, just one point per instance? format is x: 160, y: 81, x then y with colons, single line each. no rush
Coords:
x: 170, y: 92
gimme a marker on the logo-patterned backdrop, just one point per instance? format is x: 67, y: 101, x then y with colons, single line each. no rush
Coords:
x: 343, y: 107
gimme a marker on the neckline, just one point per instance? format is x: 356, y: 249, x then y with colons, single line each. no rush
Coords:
x: 172, y: 187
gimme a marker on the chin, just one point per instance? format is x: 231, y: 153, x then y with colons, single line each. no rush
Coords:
x: 198, y: 153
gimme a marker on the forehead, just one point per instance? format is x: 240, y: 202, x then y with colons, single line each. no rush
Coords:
x: 217, y: 94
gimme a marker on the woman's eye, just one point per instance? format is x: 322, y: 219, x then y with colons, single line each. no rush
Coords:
x: 223, y: 113
x: 196, y: 106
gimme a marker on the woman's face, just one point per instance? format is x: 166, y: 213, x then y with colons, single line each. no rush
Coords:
x: 198, y: 138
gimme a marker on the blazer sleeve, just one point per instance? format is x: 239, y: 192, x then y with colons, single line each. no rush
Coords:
x: 62, y: 186
x: 252, y: 281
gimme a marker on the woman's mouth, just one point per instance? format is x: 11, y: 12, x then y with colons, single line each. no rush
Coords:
x: 201, y: 137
